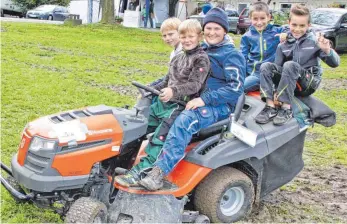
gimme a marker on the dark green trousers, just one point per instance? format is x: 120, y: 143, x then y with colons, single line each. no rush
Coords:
x: 161, y: 117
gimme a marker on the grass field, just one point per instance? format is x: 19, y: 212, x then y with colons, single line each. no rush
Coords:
x: 49, y: 68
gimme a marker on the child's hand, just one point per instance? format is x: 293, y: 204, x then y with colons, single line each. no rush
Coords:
x: 323, y: 43
x: 195, y: 103
x: 166, y: 94
x: 283, y: 37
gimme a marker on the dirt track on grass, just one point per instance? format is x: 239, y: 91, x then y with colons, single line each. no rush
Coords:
x: 315, y: 195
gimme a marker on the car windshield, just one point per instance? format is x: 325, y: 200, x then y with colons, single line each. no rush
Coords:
x: 325, y: 18
x: 45, y: 7
x: 231, y: 13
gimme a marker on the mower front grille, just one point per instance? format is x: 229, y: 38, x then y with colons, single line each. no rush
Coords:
x: 40, y: 158
x: 36, y: 163
x: 34, y: 167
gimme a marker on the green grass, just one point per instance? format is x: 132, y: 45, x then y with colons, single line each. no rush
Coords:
x: 48, y: 68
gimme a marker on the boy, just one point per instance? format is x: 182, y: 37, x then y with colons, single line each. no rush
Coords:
x: 223, y: 88
x: 259, y: 43
x: 169, y: 34
x: 187, y: 74
x: 297, y: 67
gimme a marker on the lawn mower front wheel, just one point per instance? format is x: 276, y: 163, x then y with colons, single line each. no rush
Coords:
x: 225, y: 196
x: 87, y: 210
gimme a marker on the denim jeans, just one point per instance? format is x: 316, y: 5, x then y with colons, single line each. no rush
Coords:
x: 186, y: 124
x: 252, y: 83
x: 150, y: 21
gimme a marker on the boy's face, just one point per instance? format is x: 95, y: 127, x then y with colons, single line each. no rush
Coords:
x: 214, y: 33
x: 190, y: 40
x: 171, y: 37
x: 298, y: 25
x: 260, y: 20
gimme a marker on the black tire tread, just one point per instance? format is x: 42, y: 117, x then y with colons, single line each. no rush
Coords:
x: 84, y: 210
x: 209, y: 190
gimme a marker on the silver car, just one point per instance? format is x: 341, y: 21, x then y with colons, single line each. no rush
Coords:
x: 233, y: 18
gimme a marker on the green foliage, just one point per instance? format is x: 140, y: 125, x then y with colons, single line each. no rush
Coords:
x: 280, y: 18
x: 30, y: 4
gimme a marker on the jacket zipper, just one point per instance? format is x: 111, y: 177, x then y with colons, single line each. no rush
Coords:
x: 261, y: 51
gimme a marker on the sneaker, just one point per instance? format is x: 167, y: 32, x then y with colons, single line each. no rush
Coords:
x: 283, y: 116
x: 154, y: 179
x: 130, y: 179
x: 266, y: 115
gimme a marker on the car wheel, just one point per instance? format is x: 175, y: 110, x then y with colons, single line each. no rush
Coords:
x: 225, y: 196
x: 50, y: 17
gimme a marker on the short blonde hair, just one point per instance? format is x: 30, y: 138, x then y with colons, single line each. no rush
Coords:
x: 170, y: 24
x: 190, y: 25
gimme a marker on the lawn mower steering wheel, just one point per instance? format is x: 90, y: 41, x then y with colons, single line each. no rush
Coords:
x: 147, y: 88
x: 156, y: 92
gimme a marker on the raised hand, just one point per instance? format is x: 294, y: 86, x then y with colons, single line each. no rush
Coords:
x: 283, y: 37
x: 323, y: 43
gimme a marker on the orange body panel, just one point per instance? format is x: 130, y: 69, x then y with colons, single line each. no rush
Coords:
x: 185, y: 175
x: 254, y: 94
x: 81, y: 162
x: 23, y: 148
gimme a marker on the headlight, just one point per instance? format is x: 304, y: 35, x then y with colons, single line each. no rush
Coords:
x: 38, y: 144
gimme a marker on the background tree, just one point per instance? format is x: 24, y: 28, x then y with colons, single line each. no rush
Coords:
x: 107, y: 15
x: 30, y: 4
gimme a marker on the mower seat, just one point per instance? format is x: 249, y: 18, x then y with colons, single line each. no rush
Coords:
x: 211, y: 130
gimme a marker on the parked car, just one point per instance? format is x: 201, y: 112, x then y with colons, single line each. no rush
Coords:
x: 244, y: 21
x: 332, y: 23
x: 48, y: 12
x: 8, y: 7
x: 233, y: 18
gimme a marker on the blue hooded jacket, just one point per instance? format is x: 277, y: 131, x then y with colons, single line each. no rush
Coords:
x: 258, y: 48
x: 228, y: 66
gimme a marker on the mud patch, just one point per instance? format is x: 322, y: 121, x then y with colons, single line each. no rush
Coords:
x: 333, y: 84
x: 315, y: 195
x: 122, y: 90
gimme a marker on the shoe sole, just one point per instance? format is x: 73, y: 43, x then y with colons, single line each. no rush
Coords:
x: 260, y: 122
x: 280, y: 124
x: 125, y: 184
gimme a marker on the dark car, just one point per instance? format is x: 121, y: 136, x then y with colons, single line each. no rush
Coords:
x: 233, y: 18
x: 48, y: 12
x: 332, y: 23
x: 244, y: 21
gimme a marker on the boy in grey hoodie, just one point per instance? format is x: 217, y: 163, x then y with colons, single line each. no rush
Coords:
x: 296, y: 70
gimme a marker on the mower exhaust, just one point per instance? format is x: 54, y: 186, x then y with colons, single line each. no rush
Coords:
x: 14, y: 192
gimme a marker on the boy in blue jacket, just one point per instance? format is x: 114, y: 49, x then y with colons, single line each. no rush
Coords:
x: 259, y: 43
x: 218, y: 100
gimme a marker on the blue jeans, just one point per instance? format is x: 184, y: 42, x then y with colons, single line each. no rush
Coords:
x: 150, y: 21
x: 252, y: 83
x: 186, y: 124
